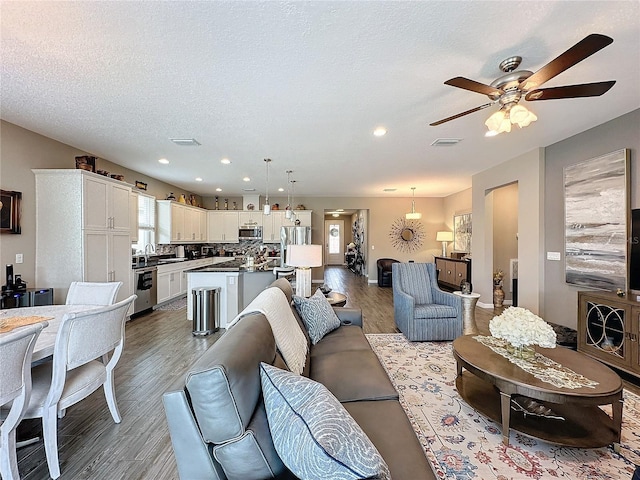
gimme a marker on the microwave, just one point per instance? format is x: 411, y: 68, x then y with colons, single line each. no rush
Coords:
x: 250, y: 233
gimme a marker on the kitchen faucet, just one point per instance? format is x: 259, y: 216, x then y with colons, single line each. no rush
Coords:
x: 150, y: 247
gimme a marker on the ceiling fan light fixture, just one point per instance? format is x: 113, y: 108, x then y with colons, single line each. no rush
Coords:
x: 496, y: 119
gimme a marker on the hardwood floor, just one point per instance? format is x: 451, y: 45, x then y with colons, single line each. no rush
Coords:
x: 159, y: 349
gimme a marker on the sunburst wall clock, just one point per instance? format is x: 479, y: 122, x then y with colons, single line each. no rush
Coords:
x: 406, y: 235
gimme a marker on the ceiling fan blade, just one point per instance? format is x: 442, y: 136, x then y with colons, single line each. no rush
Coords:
x: 474, y: 86
x: 581, y: 50
x: 481, y: 107
x: 570, y: 91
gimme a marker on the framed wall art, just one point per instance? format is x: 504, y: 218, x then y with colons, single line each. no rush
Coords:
x: 10, y: 211
x: 596, y: 213
x: 462, y: 233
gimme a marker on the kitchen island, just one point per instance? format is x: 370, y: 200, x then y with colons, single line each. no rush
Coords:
x: 238, y: 285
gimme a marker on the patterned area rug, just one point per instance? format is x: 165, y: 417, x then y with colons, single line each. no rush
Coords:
x: 177, y: 304
x: 461, y: 443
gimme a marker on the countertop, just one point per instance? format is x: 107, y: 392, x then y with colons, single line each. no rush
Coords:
x: 233, y: 266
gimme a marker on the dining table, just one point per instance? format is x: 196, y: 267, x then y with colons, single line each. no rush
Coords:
x: 53, y: 315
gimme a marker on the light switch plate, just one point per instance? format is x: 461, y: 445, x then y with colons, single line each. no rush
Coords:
x: 553, y: 256
x: 19, y: 258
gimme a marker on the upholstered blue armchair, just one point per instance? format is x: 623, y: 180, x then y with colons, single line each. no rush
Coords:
x: 422, y: 311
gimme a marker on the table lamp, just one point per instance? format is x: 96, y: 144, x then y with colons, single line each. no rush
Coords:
x: 444, y: 237
x: 303, y: 257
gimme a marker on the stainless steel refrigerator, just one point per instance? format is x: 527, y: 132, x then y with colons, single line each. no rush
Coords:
x: 292, y: 236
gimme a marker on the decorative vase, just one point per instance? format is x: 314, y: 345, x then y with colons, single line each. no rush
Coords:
x: 525, y: 352
x: 498, y: 296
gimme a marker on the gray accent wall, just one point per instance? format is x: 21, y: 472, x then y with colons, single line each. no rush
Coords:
x: 561, y: 299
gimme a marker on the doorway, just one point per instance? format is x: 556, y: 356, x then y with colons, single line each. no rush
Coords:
x: 334, y: 242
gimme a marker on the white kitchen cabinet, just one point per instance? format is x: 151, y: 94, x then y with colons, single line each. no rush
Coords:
x: 133, y: 216
x: 222, y: 226
x: 82, y: 230
x: 178, y: 223
x: 271, y: 226
x: 252, y: 218
x: 303, y: 215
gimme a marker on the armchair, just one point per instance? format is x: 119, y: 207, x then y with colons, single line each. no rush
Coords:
x: 384, y: 271
x: 422, y: 311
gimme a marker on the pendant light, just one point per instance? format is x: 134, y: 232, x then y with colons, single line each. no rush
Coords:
x: 293, y: 188
x: 267, y: 207
x: 287, y: 213
x: 413, y: 215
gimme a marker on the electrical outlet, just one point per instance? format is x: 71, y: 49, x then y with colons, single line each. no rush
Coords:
x: 553, y: 256
x: 19, y: 258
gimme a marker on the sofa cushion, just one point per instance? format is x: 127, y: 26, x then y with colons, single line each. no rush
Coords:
x: 224, y: 384
x: 251, y: 456
x: 345, y: 338
x: 317, y: 315
x: 387, y: 426
x: 434, y: 310
x: 313, y: 433
x: 415, y: 281
x: 353, y: 375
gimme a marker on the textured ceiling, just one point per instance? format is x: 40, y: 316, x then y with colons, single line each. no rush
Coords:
x: 303, y: 83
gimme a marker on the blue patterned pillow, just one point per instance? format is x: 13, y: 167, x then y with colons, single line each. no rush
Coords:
x: 314, y: 435
x: 317, y: 314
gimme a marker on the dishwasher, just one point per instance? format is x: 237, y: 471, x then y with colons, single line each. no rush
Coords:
x: 146, y: 289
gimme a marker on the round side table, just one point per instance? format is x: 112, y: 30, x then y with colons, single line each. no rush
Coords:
x: 469, y: 301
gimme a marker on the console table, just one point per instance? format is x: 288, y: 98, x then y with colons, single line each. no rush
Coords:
x: 452, y: 271
x: 608, y: 329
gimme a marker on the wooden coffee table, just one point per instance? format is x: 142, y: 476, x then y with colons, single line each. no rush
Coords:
x: 491, y: 381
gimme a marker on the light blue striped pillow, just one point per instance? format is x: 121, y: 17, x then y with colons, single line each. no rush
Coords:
x: 314, y: 435
x: 317, y: 314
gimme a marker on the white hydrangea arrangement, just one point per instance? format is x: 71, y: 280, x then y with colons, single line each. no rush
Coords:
x: 520, y: 327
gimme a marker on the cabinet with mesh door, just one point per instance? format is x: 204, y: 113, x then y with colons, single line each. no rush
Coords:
x: 608, y: 329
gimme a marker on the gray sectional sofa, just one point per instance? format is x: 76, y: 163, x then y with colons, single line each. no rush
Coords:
x: 218, y: 423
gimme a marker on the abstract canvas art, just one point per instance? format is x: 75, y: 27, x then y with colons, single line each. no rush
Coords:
x: 596, y: 229
x: 462, y: 233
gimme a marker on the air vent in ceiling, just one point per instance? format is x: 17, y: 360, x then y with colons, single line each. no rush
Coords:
x: 445, y: 142
x: 389, y: 189
x: 248, y: 189
x: 185, y: 142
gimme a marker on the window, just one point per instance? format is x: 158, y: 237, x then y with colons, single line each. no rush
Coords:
x: 146, y: 222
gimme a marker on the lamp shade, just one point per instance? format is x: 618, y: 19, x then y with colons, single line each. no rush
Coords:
x: 304, y: 255
x: 444, y: 237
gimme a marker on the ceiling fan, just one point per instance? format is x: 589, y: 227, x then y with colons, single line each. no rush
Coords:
x: 511, y: 87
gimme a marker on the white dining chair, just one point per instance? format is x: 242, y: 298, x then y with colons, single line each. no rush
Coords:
x: 16, y: 348
x: 92, y: 293
x: 77, y: 370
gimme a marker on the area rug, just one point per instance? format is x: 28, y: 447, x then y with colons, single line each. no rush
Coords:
x: 177, y: 304
x: 462, y: 444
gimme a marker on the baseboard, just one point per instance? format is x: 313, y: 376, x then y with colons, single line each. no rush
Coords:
x: 490, y: 305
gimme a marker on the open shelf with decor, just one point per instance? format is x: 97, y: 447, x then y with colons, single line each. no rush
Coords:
x: 608, y: 329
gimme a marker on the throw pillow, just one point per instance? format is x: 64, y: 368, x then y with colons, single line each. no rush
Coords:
x: 314, y: 435
x: 317, y: 315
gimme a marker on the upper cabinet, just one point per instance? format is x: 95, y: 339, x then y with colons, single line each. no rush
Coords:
x: 303, y: 215
x: 271, y: 226
x: 105, y: 204
x: 222, y: 226
x: 178, y: 223
x: 252, y: 218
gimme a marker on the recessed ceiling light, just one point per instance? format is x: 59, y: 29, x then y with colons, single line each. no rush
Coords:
x: 225, y: 161
x: 163, y: 161
x: 339, y: 209
x: 218, y: 189
x: 281, y: 189
x: 246, y: 179
x: 198, y: 179
x: 389, y: 189
x: 380, y: 132
x: 335, y: 214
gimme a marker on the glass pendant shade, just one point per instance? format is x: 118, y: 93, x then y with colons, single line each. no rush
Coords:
x: 502, y: 120
x: 413, y: 215
x: 267, y: 208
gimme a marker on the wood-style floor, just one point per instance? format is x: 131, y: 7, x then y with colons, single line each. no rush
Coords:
x: 159, y: 349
